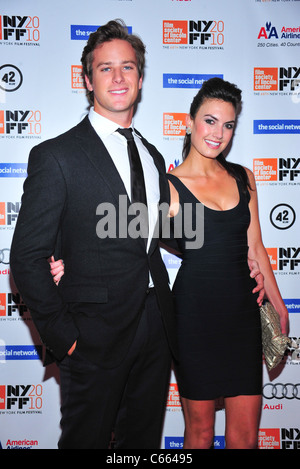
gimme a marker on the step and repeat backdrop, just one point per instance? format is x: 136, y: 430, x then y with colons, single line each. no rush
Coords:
x: 253, y: 43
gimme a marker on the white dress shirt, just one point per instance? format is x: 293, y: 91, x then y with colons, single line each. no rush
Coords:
x: 116, y: 146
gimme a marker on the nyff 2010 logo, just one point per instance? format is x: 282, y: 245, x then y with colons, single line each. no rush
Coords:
x: 12, y: 305
x: 282, y: 170
x: 20, y: 123
x: 20, y: 29
x: 285, y: 260
x: 21, y: 397
x: 9, y: 212
x: 194, y: 33
x: 276, y: 79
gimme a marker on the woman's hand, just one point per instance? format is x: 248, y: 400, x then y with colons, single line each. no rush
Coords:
x: 57, y: 269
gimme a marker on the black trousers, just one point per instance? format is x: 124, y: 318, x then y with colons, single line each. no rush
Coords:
x: 128, y: 400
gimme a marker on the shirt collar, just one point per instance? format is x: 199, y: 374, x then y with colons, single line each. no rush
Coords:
x: 103, y: 126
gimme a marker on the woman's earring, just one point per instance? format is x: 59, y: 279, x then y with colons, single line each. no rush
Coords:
x: 188, y: 131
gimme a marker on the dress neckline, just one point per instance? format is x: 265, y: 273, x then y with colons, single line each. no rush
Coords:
x: 205, y: 206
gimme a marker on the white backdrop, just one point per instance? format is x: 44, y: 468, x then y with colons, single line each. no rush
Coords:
x: 253, y: 43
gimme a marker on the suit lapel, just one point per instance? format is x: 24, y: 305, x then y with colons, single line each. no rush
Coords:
x: 98, y: 155
x: 96, y: 152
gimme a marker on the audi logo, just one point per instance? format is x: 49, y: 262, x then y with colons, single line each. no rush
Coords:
x: 281, y: 391
x: 4, y: 256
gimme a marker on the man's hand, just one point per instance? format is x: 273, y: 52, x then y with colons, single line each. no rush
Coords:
x: 256, y: 273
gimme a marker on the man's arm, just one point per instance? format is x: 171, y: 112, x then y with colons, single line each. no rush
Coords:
x: 33, y: 243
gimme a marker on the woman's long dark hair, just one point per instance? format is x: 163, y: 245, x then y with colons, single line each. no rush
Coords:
x: 216, y: 88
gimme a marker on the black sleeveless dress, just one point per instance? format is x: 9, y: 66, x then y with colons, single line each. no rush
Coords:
x: 218, y: 321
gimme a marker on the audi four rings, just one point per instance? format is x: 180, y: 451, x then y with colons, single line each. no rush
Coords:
x: 281, y: 391
x: 4, y: 256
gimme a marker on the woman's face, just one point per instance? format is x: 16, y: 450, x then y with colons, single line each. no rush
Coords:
x: 212, y: 127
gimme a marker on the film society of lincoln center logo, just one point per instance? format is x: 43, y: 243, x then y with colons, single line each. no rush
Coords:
x: 196, y: 34
x: 173, y: 401
x: 76, y: 78
x: 174, y: 124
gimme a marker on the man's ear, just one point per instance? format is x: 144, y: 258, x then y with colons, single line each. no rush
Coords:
x: 140, y: 82
x: 88, y: 83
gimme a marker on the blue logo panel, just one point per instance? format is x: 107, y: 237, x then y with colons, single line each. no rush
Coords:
x: 276, y: 126
x: 293, y: 305
x: 181, y: 80
x: 13, y: 170
x: 81, y: 32
x: 20, y: 352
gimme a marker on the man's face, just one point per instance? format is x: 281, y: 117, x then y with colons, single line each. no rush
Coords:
x: 116, y: 82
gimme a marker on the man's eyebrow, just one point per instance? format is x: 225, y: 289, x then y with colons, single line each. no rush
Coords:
x: 124, y: 62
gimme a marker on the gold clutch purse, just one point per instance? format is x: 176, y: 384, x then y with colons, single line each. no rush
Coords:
x: 273, y: 341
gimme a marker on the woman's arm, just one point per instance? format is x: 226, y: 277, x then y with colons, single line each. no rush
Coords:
x: 258, y: 252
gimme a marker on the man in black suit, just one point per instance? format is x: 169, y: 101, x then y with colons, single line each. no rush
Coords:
x: 109, y: 323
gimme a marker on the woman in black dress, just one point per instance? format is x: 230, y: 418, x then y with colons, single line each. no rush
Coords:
x: 219, y: 334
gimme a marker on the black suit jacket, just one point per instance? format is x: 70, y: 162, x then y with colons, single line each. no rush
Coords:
x: 101, y: 295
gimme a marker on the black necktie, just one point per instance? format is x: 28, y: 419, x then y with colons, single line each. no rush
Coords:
x: 138, y: 190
